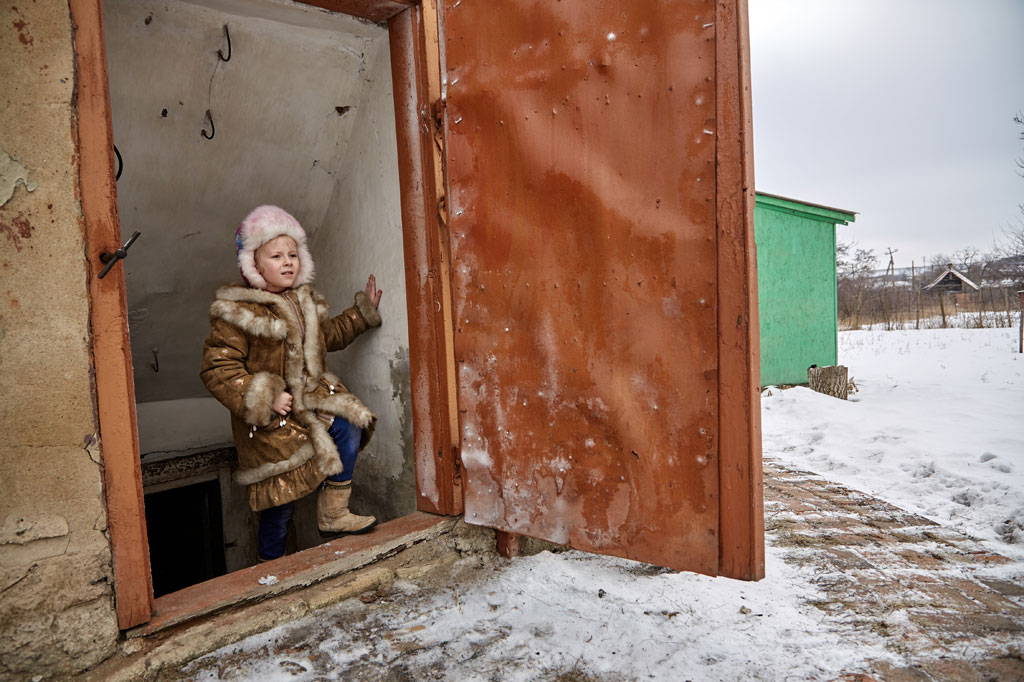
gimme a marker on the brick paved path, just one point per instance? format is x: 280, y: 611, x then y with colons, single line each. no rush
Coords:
x: 928, y: 592
x: 945, y: 608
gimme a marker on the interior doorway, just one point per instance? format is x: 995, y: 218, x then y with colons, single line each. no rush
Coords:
x: 218, y: 107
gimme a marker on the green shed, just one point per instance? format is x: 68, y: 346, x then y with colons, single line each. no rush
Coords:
x: 796, y: 280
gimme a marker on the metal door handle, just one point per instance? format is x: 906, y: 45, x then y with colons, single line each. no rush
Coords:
x: 111, y: 258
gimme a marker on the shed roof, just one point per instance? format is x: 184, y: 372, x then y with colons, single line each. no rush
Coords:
x: 805, y: 209
x: 950, y: 272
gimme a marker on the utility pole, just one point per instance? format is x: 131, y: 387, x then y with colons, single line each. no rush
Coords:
x: 1020, y: 337
x: 917, y: 296
x: 891, y: 304
x: 892, y: 263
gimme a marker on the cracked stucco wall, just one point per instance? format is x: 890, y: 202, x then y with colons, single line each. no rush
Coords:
x: 56, y: 605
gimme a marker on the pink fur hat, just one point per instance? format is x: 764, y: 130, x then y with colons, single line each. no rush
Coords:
x: 258, y: 228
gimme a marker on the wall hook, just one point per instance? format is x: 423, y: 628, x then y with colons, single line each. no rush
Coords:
x: 120, y: 164
x: 220, y: 53
x: 213, y: 130
x: 110, y: 258
x: 156, y: 360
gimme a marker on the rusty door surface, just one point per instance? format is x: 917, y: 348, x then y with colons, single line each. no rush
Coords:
x: 582, y: 204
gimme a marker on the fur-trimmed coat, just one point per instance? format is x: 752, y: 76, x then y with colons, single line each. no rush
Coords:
x: 261, y: 344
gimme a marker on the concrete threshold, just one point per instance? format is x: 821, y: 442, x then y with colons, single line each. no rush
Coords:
x: 202, y: 618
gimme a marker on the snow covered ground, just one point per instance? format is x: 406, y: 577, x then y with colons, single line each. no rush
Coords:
x: 935, y: 428
x: 569, y: 617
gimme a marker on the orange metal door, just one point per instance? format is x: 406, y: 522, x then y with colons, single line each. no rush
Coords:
x: 581, y: 149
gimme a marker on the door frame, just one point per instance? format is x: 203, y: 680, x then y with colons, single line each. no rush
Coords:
x: 416, y: 79
x: 740, y: 476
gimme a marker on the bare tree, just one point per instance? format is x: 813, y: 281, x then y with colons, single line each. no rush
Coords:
x: 853, y: 280
x: 937, y: 264
x: 1009, y: 262
x: 1010, y: 248
x: 966, y: 258
x: 1019, y: 120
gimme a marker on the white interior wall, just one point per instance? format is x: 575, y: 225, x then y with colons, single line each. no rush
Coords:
x: 182, y: 424
x: 279, y: 139
x: 362, y: 233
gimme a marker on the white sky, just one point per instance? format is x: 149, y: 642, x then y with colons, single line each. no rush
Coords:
x: 900, y: 110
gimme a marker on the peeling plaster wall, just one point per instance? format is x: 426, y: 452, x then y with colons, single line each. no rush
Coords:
x: 56, y: 605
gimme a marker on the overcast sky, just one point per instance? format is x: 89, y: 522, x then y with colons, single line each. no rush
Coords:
x: 900, y: 110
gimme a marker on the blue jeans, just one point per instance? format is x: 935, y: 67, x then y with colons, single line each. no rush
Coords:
x: 273, y: 528
x: 347, y: 437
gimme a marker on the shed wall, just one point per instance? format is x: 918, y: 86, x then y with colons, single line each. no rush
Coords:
x: 796, y: 279
x: 56, y: 604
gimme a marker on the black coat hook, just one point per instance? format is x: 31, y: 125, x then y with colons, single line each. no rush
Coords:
x: 120, y: 164
x: 110, y: 258
x: 213, y: 130
x: 220, y: 53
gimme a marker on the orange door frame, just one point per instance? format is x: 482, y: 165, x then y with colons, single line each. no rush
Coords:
x: 111, y: 351
x: 740, y: 480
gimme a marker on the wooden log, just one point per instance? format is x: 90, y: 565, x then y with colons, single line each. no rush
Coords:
x: 832, y: 380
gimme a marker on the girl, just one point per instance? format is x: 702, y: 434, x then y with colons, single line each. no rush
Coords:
x: 294, y: 424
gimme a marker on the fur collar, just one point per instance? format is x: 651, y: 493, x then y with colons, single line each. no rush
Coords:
x: 261, y: 313
x: 271, y: 315
x: 241, y: 293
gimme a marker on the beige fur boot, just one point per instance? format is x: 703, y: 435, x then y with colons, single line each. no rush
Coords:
x: 332, y: 514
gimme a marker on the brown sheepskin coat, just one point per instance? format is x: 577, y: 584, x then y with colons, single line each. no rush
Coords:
x: 261, y: 344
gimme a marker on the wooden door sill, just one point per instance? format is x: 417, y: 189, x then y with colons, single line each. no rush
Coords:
x: 302, y: 569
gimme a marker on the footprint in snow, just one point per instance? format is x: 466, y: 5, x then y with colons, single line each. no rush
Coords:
x: 993, y: 461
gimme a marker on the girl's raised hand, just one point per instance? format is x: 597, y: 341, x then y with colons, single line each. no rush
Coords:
x: 372, y: 292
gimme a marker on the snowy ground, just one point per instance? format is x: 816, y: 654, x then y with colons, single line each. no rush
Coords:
x: 935, y: 428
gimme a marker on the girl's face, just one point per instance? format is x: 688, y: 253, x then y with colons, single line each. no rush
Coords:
x: 277, y: 261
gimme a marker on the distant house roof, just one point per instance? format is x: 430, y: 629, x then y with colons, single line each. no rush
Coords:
x: 805, y: 209
x: 951, y: 280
